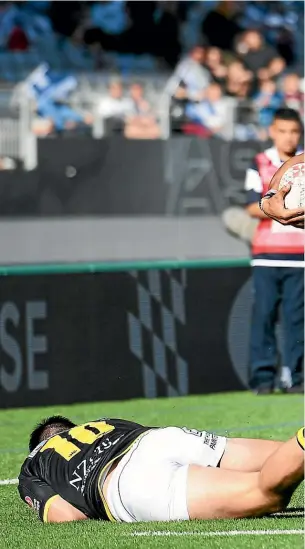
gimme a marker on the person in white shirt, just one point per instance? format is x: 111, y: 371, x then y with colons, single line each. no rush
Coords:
x: 211, y: 111
x: 115, y: 105
x: 141, y: 122
x: 192, y: 74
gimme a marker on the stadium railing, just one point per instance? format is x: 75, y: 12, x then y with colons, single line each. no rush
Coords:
x: 16, y: 138
x: 91, y: 89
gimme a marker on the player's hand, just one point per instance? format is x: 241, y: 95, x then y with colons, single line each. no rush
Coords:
x: 275, y: 208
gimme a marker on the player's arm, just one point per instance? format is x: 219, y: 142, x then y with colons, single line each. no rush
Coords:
x: 50, y: 506
x: 254, y: 188
x: 61, y: 511
x: 274, y: 203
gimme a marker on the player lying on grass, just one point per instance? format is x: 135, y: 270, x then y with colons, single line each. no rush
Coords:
x: 118, y: 470
x: 273, y: 203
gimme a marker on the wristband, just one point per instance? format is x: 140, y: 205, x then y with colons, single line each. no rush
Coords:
x: 268, y: 195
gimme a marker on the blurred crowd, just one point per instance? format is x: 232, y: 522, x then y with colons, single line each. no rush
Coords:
x: 253, y: 73
x: 248, y: 52
x: 164, y: 29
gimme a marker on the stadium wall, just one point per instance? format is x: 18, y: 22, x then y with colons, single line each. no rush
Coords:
x: 80, y: 333
x: 81, y: 176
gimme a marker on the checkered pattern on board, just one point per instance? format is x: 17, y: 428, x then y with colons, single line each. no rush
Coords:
x: 154, y: 331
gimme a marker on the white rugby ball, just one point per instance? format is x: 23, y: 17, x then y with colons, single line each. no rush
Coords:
x: 294, y: 176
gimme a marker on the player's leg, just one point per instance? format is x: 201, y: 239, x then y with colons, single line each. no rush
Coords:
x: 293, y: 322
x: 237, y: 454
x: 218, y: 493
x: 246, y: 454
x: 150, y: 481
x: 263, y: 348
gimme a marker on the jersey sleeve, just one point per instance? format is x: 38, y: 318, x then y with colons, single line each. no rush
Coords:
x: 37, y: 494
x: 253, y: 184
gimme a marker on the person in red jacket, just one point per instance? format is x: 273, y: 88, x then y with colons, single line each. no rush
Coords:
x: 277, y: 267
x: 273, y: 203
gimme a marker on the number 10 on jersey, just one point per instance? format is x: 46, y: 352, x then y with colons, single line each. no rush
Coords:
x: 85, y: 434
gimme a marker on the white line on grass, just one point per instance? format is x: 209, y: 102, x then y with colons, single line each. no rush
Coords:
x: 288, y: 513
x: 164, y: 533
x: 8, y: 481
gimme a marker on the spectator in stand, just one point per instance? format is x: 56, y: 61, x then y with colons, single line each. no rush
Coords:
x: 220, y: 26
x: 109, y: 16
x: 140, y: 122
x: 285, y: 46
x: 115, y: 105
x: 20, y: 27
x: 239, y: 85
x: 61, y: 115
x: 254, y: 52
x: 275, y: 68
x: 211, y: 111
x: 107, y: 25
x: 215, y: 64
x: 51, y: 94
x: 239, y: 81
x: 18, y: 40
x: 266, y: 101
x: 293, y: 97
x: 34, y: 22
x: 280, y: 27
x: 279, y: 23
x: 190, y: 76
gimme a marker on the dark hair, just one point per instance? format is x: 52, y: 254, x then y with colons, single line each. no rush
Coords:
x: 47, y: 428
x: 287, y: 114
x: 199, y: 44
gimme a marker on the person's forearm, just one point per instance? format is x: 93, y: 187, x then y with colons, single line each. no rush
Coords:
x: 255, y: 211
x: 274, y: 206
x: 62, y: 511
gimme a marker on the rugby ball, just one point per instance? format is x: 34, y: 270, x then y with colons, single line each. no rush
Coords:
x: 294, y: 176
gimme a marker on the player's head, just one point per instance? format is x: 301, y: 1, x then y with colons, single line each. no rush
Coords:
x: 285, y: 130
x: 48, y: 428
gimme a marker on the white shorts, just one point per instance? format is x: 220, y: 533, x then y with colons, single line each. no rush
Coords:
x: 150, y: 481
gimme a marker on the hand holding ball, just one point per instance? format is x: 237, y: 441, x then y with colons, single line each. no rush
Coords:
x: 295, y: 177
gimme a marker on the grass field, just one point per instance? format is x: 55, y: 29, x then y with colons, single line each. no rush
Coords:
x: 242, y: 414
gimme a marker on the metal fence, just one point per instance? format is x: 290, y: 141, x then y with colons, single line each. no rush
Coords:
x: 18, y: 112
x: 17, y: 140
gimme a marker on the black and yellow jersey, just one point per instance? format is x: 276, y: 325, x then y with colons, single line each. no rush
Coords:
x: 70, y: 464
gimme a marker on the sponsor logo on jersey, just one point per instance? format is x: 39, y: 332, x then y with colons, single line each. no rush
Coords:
x: 85, y: 468
x: 192, y: 432
x: 35, y: 504
x: 36, y: 450
x: 28, y: 500
x: 210, y: 440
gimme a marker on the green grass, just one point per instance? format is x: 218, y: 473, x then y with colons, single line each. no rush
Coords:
x: 233, y: 414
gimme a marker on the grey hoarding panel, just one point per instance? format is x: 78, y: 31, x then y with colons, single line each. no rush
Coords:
x: 115, y: 177
x: 105, y: 336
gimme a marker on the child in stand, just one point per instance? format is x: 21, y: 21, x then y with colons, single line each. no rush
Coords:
x: 266, y: 102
